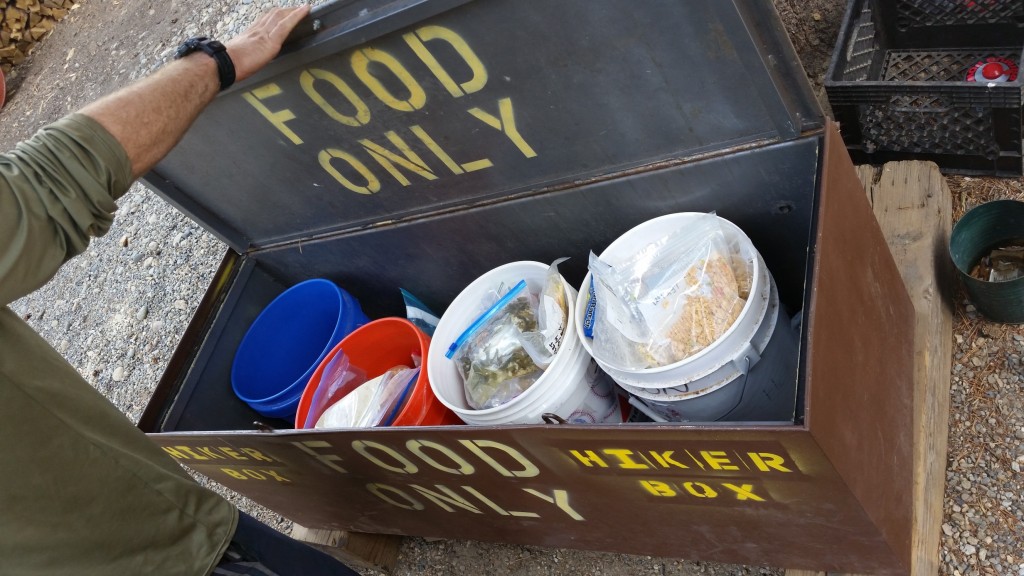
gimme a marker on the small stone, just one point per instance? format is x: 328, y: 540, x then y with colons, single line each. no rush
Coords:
x: 118, y: 375
x: 816, y: 16
x: 971, y: 308
x: 976, y: 361
x: 972, y: 541
x: 149, y: 262
x: 959, y: 339
x: 64, y: 345
x: 142, y: 313
x: 947, y: 529
x: 982, y: 554
x: 181, y: 305
x: 138, y: 257
x: 965, y: 483
x: 158, y: 325
x: 124, y: 241
x: 1015, y: 465
x: 153, y: 246
x: 968, y: 549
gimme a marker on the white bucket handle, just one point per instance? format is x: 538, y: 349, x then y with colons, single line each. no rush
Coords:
x: 746, y: 359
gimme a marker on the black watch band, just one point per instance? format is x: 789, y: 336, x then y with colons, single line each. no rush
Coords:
x: 217, y: 51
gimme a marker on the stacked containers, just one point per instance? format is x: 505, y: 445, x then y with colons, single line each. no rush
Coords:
x: 287, y: 342
x: 746, y: 374
x: 904, y: 83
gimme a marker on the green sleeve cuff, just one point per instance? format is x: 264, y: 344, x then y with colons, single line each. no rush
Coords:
x: 107, y: 149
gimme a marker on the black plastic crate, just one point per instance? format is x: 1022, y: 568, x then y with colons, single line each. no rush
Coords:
x: 898, y: 83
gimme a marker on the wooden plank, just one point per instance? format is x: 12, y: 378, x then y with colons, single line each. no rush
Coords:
x: 914, y: 208
x: 354, y: 549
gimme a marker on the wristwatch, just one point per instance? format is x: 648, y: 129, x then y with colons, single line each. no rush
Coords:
x: 217, y: 51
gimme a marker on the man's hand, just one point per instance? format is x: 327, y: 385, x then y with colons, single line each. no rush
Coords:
x: 261, y: 42
x: 150, y: 117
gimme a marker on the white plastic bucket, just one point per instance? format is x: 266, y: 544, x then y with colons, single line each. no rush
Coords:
x: 571, y: 387
x: 762, y: 391
x: 675, y: 391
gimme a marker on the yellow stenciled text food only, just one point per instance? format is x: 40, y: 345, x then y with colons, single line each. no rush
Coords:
x: 463, y: 460
x: 342, y: 91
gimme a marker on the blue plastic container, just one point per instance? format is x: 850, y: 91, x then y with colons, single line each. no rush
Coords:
x: 288, y: 341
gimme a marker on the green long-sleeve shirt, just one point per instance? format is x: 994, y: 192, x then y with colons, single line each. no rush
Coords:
x: 82, y: 490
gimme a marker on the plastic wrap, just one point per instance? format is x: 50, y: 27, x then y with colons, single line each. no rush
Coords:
x: 506, y: 349
x: 374, y: 403
x: 552, y: 318
x: 339, y: 378
x: 419, y: 314
x: 672, y: 299
x: 495, y: 367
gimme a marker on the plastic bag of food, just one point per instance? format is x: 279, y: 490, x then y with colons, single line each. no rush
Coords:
x: 490, y: 356
x: 374, y: 403
x: 419, y: 314
x: 552, y: 318
x: 670, y: 300
x: 339, y: 378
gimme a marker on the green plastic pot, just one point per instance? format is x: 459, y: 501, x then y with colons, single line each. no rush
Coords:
x: 985, y: 227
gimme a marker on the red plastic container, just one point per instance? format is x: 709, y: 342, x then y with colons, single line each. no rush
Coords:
x: 377, y: 347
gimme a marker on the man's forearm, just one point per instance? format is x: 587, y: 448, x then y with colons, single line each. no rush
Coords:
x: 149, y: 117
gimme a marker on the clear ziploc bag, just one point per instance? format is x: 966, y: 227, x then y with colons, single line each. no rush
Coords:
x: 373, y: 403
x: 670, y: 300
x: 490, y: 356
x: 339, y: 378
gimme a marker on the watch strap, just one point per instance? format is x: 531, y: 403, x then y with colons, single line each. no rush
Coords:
x: 217, y: 51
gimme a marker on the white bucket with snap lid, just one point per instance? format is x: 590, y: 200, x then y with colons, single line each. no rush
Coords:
x: 571, y: 387
x: 748, y: 373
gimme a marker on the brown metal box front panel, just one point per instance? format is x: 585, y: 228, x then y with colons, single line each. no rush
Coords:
x: 860, y: 353
x: 751, y: 496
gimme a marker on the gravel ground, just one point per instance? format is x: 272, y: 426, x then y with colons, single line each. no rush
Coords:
x: 983, y: 527
x: 118, y: 311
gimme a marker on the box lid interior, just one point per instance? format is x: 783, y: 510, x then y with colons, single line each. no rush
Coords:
x: 380, y: 111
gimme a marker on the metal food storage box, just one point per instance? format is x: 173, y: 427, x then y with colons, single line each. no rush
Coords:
x: 417, y: 144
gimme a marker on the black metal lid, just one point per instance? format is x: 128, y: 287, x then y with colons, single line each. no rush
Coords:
x: 380, y: 111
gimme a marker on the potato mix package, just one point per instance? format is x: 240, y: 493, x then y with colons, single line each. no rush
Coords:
x: 671, y: 299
